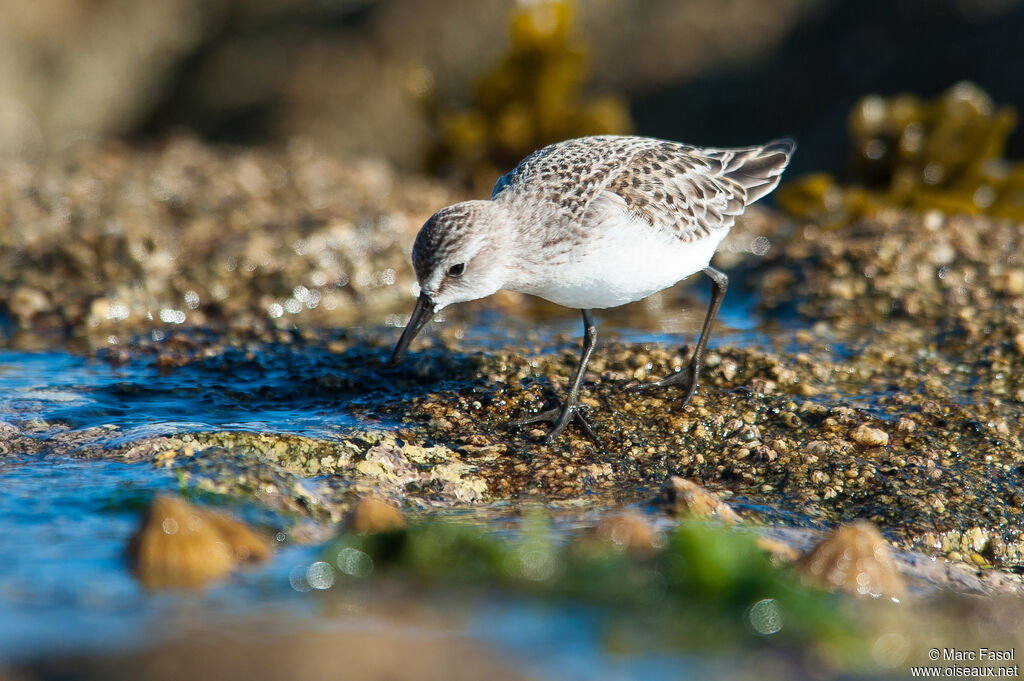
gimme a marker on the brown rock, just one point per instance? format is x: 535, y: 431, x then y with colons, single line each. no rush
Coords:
x: 182, y: 545
x: 370, y: 515
x: 854, y: 558
x: 681, y: 496
x: 1018, y: 343
x: 27, y: 302
x: 630, y: 530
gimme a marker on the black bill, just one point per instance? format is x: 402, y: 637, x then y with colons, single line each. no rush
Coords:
x: 421, y: 314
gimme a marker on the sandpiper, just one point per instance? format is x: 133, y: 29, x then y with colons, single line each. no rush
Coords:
x: 594, y: 222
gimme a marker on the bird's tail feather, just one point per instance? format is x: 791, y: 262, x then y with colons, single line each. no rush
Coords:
x: 758, y: 169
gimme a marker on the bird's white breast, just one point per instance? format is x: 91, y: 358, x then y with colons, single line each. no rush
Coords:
x: 619, y: 263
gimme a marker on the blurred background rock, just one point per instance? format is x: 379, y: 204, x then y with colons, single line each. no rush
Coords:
x: 348, y: 122
x: 371, y: 76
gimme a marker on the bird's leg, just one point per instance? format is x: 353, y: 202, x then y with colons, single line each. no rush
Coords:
x: 688, y: 378
x: 562, y: 416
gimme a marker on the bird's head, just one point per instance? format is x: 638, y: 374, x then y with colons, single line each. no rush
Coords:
x: 461, y: 253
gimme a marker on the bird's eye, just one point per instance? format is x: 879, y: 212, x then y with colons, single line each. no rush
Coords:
x: 457, y: 270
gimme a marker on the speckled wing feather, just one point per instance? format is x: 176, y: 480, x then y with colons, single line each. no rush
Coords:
x: 693, y: 192
x: 685, y: 190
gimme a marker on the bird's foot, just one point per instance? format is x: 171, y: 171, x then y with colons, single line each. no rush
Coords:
x: 561, y: 417
x: 686, y: 378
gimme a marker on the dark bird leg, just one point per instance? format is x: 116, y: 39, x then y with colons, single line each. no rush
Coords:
x: 562, y: 416
x: 688, y: 378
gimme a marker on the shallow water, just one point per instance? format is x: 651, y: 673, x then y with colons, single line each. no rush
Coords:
x: 65, y: 586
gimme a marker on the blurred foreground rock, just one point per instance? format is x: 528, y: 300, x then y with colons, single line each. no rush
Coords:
x: 181, y: 545
x: 630, y: 531
x: 394, y: 650
x: 854, y: 558
x: 370, y: 515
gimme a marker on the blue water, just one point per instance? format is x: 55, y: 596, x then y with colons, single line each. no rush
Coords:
x: 65, y: 586
x: 142, y: 401
x: 64, y: 583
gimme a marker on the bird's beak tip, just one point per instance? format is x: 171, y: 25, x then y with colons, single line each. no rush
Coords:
x: 421, y: 314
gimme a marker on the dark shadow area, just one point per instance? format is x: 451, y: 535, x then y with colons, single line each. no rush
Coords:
x: 847, y: 50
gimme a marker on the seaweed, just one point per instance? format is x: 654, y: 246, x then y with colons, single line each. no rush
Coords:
x: 532, y: 97
x: 910, y: 153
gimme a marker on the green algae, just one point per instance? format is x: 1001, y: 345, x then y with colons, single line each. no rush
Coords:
x: 944, y: 154
x: 316, y: 478
x: 704, y: 585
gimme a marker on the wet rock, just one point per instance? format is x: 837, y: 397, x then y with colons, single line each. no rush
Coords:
x: 227, y: 464
x: 854, y: 558
x: 370, y: 515
x: 869, y: 437
x: 889, y: 263
x: 14, y: 440
x: 685, y: 497
x: 784, y: 455
x: 181, y: 545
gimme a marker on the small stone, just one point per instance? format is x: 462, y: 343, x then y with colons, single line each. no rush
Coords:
x: 371, y: 515
x: 853, y: 558
x: 867, y: 436
x: 681, y: 496
x: 806, y: 390
x: 181, y: 545
x: 762, y: 386
x: 975, y: 538
x: 728, y: 369
x: 818, y: 448
x: 765, y: 453
x: 27, y: 302
x: 631, y: 531
x: 978, y: 559
x: 790, y: 420
x: 1014, y: 282
x: 1018, y: 343
x: 906, y: 425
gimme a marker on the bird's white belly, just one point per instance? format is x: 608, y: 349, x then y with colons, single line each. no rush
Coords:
x: 622, y: 266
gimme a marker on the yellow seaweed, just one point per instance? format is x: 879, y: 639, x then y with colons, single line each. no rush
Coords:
x: 532, y: 97
x: 944, y: 154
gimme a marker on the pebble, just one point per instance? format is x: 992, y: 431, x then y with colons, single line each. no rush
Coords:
x: 854, y: 558
x: 179, y: 544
